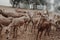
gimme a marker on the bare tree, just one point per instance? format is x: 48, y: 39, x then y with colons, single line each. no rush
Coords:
x: 14, y: 3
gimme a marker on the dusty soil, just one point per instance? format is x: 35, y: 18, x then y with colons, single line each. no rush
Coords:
x: 54, y: 35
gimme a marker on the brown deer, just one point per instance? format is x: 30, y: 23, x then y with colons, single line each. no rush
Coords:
x: 43, y: 25
x: 16, y: 23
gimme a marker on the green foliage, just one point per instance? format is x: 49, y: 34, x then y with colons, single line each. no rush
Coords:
x: 43, y: 2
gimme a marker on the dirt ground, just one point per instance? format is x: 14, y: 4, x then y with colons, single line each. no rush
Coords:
x: 29, y: 35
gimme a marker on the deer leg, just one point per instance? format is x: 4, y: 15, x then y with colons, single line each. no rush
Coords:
x: 40, y: 34
x: 34, y: 28
x: 0, y: 31
x: 7, y: 32
x: 45, y: 33
x: 37, y: 35
x: 48, y: 32
x: 15, y: 32
x: 25, y: 24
